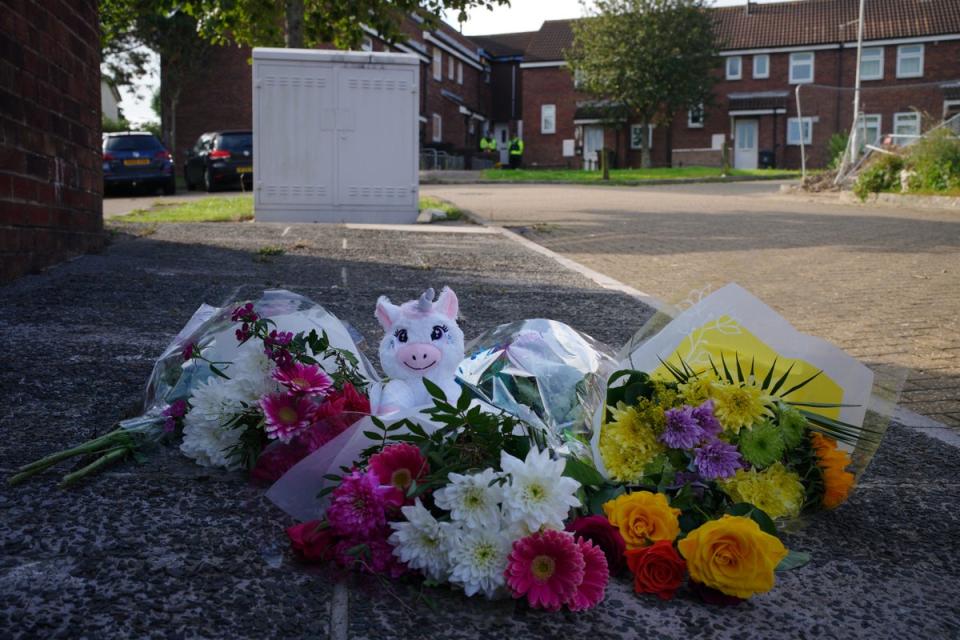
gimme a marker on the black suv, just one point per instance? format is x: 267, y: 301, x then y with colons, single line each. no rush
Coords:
x: 134, y: 159
x: 220, y: 158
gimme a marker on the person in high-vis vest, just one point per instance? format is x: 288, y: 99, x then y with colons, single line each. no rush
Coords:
x: 516, y: 152
x: 488, y: 144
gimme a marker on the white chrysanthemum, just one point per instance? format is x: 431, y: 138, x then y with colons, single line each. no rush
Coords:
x: 471, y: 499
x: 538, y: 494
x: 478, y: 558
x: 420, y: 542
x: 205, y: 439
x: 251, y: 375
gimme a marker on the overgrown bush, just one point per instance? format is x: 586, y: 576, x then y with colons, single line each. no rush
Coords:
x: 881, y: 174
x: 935, y: 162
x: 115, y: 126
x: 837, y: 145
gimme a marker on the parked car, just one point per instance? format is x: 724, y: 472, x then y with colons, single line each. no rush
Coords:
x: 219, y: 159
x: 135, y: 159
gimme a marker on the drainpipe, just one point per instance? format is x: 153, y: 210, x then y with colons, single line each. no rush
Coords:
x: 803, y: 148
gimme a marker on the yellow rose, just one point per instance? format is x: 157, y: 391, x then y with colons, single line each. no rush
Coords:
x: 732, y: 555
x: 643, y: 518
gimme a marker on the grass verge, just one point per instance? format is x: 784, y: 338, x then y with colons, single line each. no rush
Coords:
x: 628, y: 176
x: 453, y: 212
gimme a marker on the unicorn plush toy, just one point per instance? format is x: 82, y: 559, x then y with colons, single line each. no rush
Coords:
x: 421, y: 340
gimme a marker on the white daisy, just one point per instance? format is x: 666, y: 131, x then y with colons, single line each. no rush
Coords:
x: 420, y: 542
x: 538, y: 494
x: 478, y: 558
x: 205, y: 439
x: 472, y: 499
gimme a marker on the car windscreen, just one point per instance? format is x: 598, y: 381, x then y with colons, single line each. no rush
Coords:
x: 132, y: 143
x: 236, y: 142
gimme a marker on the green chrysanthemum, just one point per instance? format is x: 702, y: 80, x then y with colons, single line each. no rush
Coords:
x: 793, y: 425
x: 761, y: 445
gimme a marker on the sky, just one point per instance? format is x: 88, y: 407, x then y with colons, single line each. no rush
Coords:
x: 521, y: 15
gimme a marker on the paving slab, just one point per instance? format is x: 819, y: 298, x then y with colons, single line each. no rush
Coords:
x: 166, y: 549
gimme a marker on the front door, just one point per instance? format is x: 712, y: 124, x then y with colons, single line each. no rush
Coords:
x: 592, y: 145
x: 745, y: 142
x: 501, y: 133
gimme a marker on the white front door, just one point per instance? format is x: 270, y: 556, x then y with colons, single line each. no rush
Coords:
x: 501, y: 133
x: 592, y: 144
x: 745, y: 143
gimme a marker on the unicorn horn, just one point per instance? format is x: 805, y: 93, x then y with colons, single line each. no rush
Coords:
x: 425, y: 303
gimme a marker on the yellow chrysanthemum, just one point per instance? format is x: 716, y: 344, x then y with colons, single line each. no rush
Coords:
x: 739, y: 405
x: 697, y: 390
x: 629, y: 442
x: 776, y: 490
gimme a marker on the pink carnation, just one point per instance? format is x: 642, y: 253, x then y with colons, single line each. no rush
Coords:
x: 303, y: 378
x: 358, y: 504
x: 286, y: 415
x: 595, y: 577
x: 546, y: 567
x: 399, y: 465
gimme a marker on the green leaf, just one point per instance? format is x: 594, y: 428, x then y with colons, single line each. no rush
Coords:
x: 782, y: 379
x: 794, y: 560
x: 583, y: 473
x: 801, y: 385
x: 756, y: 514
x: 434, y: 390
x: 605, y: 494
x: 769, y: 376
x: 373, y: 435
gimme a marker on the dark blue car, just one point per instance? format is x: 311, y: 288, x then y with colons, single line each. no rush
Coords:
x: 137, y: 159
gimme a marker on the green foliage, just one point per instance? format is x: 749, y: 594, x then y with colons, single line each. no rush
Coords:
x: 836, y: 147
x: 935, y: 161
x: 110, y: 125
x: 653, y: 57
x: 880, y: 175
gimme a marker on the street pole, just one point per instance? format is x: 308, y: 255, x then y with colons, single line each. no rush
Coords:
x: 855, y: 133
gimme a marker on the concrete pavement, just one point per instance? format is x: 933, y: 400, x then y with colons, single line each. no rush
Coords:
x: 882, y: 283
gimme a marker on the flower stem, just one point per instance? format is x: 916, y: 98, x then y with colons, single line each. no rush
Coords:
x: 106, y: 459
x: 117, y: 436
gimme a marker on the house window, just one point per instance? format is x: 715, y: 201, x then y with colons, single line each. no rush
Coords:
x: 451, y: 67
x: 366, y: 44
x: 578, y: 78
x: 636, y: 139
x: 695, y: 117
x: 869, y: 129
x: 793, y: 130
x: 871, y: 64
x: 548, y: 118
x: 951, y: 109
x: 761, y: 65
x: 906, y: 126
x: 437, y: 64
x: 459, y: 72
x: 471, y: 126
x: 437, y: 128
x: 910, y: 61
x: 801, y: 67
x: 734, y: 68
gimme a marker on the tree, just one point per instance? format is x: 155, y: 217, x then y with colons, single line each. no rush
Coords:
x: 309, y: 23
x: 654, y: 57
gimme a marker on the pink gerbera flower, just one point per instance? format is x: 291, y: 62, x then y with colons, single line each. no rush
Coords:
x: 595, y: 577
x: 546, y: 567
x: 399, y: 465
x: 357, y: 505
x: 286, y: 415
x: 303, y: 378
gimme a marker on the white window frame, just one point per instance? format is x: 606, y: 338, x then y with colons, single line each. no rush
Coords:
x: 804, y: 125
x: 650, y: 128
x: 898, y: 119
x: 739, y: 73
x: 766, y: 73
x: 691, y: 123
x: 947, y: 104
x: 901, y: 56
x: 795, y: 61
x: 874, y: 118
x: 459, y: 72
x: 578, y: 77
x: 366, y: 44
x: 437, y: 64
x: 872, y: 54
x: 436, y: 128
x: 548, y: 116
x: 451, y: 67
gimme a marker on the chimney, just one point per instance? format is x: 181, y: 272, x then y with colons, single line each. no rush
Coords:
x: 746, y: 8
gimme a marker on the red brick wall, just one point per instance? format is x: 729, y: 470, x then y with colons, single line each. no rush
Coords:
x: 51, y: 180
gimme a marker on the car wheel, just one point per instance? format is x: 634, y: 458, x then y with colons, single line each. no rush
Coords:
x: 170, y: 187
x: 208, y: 183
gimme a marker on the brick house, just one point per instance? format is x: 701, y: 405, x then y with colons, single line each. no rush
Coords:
x: 910, y: 71
x: 519, y: 82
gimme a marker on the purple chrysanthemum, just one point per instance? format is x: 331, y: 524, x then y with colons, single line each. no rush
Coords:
x: 707, y: 420
x: 717, y: 459
x: 358, y: 504
x: 682, y: 430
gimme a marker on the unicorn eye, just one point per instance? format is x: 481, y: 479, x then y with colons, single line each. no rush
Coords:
x: 401, y: 335
x: 438, y: 332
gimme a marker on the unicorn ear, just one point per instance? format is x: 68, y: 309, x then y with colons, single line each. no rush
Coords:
x: 387, y: 312
x: 447, y: 303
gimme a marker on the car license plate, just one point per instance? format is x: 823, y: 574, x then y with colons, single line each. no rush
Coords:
x: 244, y: 169
x: 132, y: 162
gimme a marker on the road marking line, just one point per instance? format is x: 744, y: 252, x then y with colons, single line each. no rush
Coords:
x: 340, y: 611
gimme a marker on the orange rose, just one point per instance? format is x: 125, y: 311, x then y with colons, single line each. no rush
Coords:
x: 732, y: 555
x: 643, y: 518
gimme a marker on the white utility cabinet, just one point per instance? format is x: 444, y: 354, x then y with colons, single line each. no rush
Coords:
x: 335, y: 136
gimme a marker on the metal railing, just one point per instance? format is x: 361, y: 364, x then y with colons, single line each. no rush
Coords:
x: 436, y: 160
